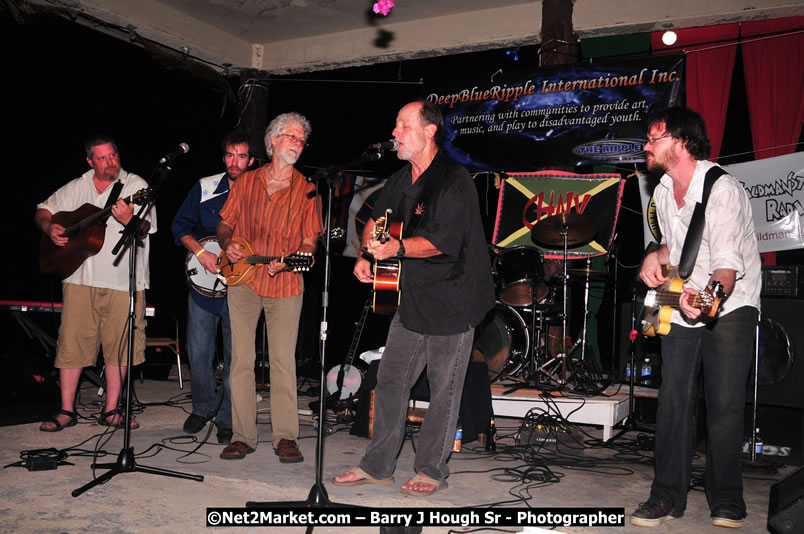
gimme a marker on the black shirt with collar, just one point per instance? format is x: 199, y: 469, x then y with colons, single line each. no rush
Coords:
x: 450, y: 293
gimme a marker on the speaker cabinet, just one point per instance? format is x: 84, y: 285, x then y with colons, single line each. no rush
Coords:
x: 781, y: 354
x: 780, y: 398
x: 786, y: 505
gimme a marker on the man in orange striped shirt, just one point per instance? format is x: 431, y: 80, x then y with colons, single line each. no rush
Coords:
x: 269, y: 208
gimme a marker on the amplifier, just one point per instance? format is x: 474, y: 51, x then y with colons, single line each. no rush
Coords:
x: 780, y: 281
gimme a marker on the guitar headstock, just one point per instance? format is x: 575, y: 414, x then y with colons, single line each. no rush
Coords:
x: 299, y: 261
x: 708, y: 300
x: 382, y: 227
x: 140, y: 196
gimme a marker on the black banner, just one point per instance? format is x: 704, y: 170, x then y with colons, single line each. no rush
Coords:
x: 559, y: 116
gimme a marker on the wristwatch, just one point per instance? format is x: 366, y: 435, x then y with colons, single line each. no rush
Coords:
x: 400, y: 252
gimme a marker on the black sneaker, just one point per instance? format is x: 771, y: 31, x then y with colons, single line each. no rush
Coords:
x: 727, y: 517
x: 650, y: 514
x: 225, y: 436
x: 194, y: 424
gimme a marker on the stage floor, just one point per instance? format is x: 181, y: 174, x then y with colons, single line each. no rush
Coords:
x: 587, y: 472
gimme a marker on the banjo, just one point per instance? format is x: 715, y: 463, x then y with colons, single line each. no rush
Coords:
x: 344, y: 388
x: 207, y: 283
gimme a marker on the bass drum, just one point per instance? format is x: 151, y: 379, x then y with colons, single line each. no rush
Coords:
x: 501, y: 341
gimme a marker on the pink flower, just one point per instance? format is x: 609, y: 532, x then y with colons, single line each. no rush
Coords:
x: 383, y: 6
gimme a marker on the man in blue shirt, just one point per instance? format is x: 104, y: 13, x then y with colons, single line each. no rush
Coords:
x: 197, y: 218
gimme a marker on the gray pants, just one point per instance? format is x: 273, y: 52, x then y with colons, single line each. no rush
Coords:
x: 406, y: 354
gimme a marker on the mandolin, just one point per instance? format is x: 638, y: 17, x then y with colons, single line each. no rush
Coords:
x: 238, y: 273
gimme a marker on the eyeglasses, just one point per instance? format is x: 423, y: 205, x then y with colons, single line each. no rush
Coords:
x: 652, y: 140
x: 293, y: 139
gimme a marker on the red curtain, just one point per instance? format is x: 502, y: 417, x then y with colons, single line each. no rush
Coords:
x: 709, y: 69
x: 774, y: 82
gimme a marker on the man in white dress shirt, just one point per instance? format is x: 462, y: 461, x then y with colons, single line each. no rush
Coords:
x: 721, y: 348
x: 95, y: 312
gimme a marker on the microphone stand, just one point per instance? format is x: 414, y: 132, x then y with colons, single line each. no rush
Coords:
x: 317, y: 497
x: 636, y: 337
x: 126, y: 463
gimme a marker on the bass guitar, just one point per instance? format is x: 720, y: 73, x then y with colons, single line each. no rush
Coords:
x: 201, y: 280
x: 238, y: 273
x: 85, y: 228
x: 657, y: 304
x: 344, y: 380
x: 387, y: 272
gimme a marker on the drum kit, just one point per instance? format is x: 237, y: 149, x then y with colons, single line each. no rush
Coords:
x: 512, y: 339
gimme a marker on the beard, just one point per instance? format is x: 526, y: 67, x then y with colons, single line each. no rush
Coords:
x: 109, y: 174
x: 287, y: 157
x: 661, y: 164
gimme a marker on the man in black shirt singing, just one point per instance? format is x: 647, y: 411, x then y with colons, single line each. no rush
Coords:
x: 446, y: 290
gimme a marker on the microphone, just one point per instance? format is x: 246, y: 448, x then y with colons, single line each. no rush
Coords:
x: 183, y: 148
x: 391, y: 145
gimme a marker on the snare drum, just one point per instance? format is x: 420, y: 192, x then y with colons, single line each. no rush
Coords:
x: 520, y: 273
x: 502, y: 341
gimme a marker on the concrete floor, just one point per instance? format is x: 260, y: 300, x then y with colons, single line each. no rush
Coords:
x: 597, y: 475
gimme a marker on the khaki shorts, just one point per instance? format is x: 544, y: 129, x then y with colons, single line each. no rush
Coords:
x: 93, y: 317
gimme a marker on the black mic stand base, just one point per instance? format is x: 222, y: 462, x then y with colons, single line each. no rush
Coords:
x: 127, y: 464
x: 317, y: 498
x: 125, y: 460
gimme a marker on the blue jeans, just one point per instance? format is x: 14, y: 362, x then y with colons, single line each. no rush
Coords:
x: 202, y: 332
x: 724, y: 352
x: 406, y: 354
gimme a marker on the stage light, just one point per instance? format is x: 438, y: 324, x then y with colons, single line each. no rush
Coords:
x: 513, y: 53
x: 669, y: 38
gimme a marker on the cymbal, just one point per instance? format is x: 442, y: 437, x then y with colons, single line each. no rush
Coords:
x: 580, y: 229
x: 591, y: 273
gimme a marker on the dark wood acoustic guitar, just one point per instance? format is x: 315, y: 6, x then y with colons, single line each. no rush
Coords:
x: 387, y: 272
x: 85, y: 229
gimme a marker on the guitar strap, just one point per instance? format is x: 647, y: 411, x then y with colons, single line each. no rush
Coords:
x: 113, y: 196
x: 692, y: 243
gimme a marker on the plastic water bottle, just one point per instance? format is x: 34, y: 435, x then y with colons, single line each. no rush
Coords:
x: 759, y: 445
x: 646, y: 369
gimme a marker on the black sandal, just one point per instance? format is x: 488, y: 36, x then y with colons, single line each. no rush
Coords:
x: 55, y: 420
x: 103, y: 420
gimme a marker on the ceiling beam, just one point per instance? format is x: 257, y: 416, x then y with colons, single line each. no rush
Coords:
x: 498, y: 27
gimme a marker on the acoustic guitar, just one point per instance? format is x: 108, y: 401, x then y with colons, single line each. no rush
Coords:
x: 86, y: 229
x: 387, y: 272
x: 657, y: 304
x: 238, y: 273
